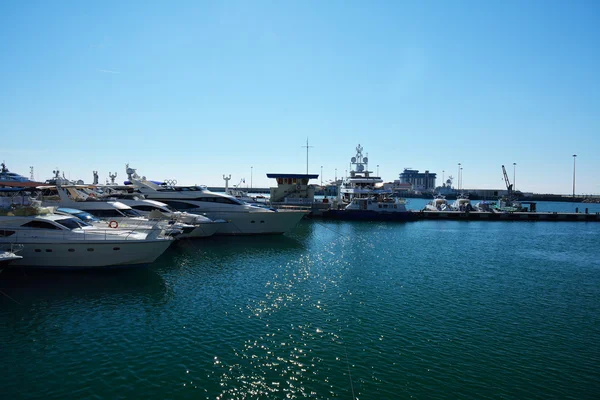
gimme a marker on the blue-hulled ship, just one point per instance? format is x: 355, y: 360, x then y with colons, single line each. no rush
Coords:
x: 11, y: 179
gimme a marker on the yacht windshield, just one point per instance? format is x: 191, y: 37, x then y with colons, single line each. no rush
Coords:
x: 131, y: 213
x: 86, y: 216
x: 168, y: 207
x: 72, y: 223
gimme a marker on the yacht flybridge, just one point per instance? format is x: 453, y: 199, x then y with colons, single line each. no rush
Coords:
x: 243, y: 218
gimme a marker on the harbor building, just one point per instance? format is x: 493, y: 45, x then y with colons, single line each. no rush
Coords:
x: 420, y: 181
x: 292, y: 188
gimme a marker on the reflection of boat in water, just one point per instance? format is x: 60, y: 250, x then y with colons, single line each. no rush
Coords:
x: 122, y: 287
x: 362, y: 197
x: 439, y: 203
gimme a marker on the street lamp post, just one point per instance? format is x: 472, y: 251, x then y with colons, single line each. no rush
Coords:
x: 336, y: 174
x: 574, y: 156
x: 251, y: 177
x: 459, y: 168
x: 321, y: 176
x: 514, y: 177
x: 378, y: 170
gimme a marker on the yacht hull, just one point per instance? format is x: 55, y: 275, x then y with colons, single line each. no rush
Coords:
x: 202, y: 230
x: 257, y: 223
x: 90, y: 254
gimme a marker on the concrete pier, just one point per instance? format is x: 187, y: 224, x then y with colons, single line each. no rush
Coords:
x: 509, y: 216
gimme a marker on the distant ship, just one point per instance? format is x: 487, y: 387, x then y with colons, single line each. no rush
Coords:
x: 11, y: 179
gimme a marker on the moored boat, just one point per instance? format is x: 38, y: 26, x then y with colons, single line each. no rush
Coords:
x: 61, y: 242
x: 438, y: 203
x: 243, y: 218
x: 362, y: 197
x: 9, y: 255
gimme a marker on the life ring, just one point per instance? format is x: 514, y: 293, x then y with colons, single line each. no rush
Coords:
x: 113, y: 224
x: 298, y: 186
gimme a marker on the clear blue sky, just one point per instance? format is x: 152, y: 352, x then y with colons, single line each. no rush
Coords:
x: 192, y: 90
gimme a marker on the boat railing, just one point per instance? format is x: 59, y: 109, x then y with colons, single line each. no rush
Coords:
x: 11, y: 247
x: 14, y: 236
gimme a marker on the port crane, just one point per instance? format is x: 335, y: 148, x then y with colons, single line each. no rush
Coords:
x: 509, y: 186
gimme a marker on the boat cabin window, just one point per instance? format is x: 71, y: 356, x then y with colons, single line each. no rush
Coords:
x: 180, y: 205
x: 145, y: 208
x: 188, y: 188
x: 40, y: 225
x: 222, y: 200
x: 72, y: 223
x: 107, y: 213
x: 6, y: 233
x: 130, y: 213
x: 86, y: 216
x: 166, y: 207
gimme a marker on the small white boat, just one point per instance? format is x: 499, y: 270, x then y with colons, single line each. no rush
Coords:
x: 485, y: 206
x: 462, y: 203
x: 8, y: 256
x: 439, y: 203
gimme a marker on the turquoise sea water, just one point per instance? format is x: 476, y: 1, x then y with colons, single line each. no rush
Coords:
x: 429, y: 309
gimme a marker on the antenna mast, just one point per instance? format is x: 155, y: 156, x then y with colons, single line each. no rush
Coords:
x: 307, y: 146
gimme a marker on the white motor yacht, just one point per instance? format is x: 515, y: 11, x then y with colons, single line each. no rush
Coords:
x: 61, y: 242
x: 116, y: 214
x: 157, y: 211
x: 462, y: 203
x: 243, y: 218
x: 362, y: 197
x: 439, y: 203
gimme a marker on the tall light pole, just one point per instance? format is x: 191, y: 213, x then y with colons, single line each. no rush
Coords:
x: 443, y: 178
x: 307, y: 147
x: 321, y: 176
x: 336, y: 174
x: 514, y: 177
x: 378, y: 170
x: 251, y: 177
x: 574, y: 156
x: 461, y: 181
x: 459, y: 176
